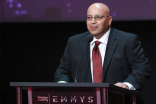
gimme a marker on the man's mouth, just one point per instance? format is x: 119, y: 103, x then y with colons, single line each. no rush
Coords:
x: 93, y: 27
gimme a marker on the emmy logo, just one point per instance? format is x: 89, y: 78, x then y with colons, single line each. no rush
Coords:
x: 42, y: 98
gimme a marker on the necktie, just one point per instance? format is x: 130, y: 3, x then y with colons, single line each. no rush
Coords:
x: 97, y: 64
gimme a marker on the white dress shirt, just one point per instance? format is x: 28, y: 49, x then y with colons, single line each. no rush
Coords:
x: 102, y: 48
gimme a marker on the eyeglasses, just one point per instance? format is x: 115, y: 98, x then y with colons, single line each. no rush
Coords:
x: 98, y: 18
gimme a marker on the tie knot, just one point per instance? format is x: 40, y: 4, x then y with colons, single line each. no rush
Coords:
x: 97, y: 43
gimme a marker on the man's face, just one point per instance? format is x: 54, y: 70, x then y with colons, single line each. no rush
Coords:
x: 98, y: 27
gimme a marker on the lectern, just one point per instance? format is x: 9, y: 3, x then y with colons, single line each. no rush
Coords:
x: 74, y: 93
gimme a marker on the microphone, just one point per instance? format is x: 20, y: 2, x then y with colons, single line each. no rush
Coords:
x: 89, y: 39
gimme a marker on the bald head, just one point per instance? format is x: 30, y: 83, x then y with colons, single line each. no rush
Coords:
x: 98, y: 19
x: 99, y: 6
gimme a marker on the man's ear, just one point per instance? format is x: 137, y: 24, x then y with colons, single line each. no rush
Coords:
x: 110, y: 20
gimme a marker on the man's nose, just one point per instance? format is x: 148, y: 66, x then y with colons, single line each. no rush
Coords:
x: 93, y: 20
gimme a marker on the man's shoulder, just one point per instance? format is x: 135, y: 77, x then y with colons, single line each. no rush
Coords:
x: 124, y: 37
x: 123, y: 34
x: 79, y: 36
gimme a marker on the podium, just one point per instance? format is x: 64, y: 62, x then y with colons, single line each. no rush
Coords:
x: 74, y: 93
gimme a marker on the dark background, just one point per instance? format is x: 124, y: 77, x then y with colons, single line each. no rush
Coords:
x: 31, y: 52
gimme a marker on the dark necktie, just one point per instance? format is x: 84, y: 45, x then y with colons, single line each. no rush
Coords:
x: 97, y: 64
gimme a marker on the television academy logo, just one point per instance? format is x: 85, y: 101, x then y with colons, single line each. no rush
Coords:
x: 62, y: 99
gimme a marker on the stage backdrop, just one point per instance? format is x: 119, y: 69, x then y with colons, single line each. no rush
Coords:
x: 73, y: 10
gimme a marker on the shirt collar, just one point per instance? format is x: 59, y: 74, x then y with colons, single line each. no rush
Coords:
x: 103, y: 39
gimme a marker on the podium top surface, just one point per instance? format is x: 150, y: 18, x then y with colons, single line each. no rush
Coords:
x: 54, y: 84
x: 71, y: 85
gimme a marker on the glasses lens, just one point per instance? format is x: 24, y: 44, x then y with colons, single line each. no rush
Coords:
x: 98, y: 18
x: 89, y: 18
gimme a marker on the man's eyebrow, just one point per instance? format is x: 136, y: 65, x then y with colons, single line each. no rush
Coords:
x: 95, y: 15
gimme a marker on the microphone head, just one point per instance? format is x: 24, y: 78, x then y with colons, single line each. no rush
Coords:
x: 89, y: 37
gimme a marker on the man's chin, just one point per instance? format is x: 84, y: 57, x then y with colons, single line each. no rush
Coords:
x: 93, y: 33
x: 96, y: 35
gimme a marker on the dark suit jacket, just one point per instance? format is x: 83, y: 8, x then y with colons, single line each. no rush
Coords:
x: 124, y: 60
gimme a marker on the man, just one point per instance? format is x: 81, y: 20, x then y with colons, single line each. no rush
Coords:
x: 113, y: 56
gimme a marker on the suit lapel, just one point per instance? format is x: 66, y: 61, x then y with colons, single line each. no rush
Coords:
x: 86, y: 64
x: 111, y: 46
x: 84, y: 69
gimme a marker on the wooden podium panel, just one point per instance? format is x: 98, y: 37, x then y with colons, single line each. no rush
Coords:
x: 74, y: 93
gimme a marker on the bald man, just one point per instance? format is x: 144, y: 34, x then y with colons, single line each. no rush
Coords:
x: 112, y: 56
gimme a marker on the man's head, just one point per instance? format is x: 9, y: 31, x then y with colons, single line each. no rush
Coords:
x: 98, y: 19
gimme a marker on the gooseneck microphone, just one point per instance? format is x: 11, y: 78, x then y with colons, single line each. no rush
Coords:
x: 89, y: 39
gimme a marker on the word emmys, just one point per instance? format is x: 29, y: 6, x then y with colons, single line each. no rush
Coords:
x: 62, y: 99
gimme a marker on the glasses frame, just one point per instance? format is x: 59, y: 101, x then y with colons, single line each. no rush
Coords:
x: 95, y: 18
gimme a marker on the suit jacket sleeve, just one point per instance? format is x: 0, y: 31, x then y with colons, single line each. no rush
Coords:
x: 140, y: 68
x: 63, y: 71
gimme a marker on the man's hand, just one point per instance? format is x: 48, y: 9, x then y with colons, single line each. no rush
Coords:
x: 119, y: 84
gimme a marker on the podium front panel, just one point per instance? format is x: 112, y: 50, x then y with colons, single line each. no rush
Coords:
x: 65, y: 96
